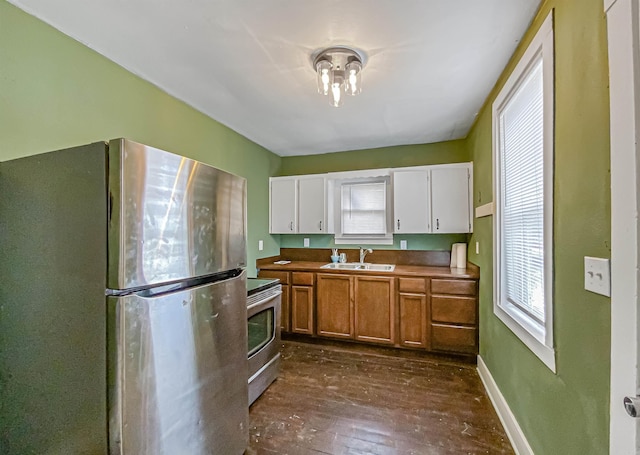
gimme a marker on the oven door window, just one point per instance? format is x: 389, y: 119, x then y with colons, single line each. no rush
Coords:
x: 261, y: 330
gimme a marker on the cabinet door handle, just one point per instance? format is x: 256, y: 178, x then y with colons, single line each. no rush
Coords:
x: 398, y: 224
x: 320, y: 224
x: 437, y: 223
x: 291, y: 226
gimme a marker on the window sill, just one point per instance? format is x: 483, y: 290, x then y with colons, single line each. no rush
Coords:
x: 358, y: 240
x: 529, y: 334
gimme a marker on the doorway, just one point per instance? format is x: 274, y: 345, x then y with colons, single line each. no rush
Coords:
x: 624, y: 77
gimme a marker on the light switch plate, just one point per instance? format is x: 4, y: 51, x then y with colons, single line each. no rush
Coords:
x: 477, y: 247
x: 260, y: 245
x: 306, y: 242
x: 597, y: 275
x: 403, y: 244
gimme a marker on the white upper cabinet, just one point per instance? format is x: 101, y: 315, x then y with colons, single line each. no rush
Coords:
x: 283, y: 200
x: 411, y: 202
x: 297, y: 205
x: 426, y: 200
x: 451, y: 195
x: 312, y: 207
x: 432, y: 199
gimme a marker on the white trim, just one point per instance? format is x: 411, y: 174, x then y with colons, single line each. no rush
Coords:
x: 608, y: 4
x: 623, y: 28
x: 362, y: 240
x: 538, y: 338
x: 511, y: 427
x: 484, y: 210
x: 529, y: 334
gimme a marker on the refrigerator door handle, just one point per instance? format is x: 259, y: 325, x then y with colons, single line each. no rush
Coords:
x: 110, y: 208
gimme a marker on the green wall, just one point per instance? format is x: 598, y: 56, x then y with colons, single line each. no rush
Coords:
x: 57, y: 93
x: 567, y: 412
x: 384, y: 157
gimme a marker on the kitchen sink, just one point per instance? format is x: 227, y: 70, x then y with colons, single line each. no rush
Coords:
x: 359, y: 266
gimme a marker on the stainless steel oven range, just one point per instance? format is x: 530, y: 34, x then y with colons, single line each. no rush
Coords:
x: 263, y: 314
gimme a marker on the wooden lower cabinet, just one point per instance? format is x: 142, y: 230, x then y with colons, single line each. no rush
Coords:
x: 454, y: 316
x: 302, y: 302
x: 285, y: 306
x: 302, y: 309
x: 334, y: 305
x: 374, y: 309
x: 455, y: 339
x: 413, y: 320
x: 419, y: 312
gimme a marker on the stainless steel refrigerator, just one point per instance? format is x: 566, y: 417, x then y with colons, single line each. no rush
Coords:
x: 123, y: 325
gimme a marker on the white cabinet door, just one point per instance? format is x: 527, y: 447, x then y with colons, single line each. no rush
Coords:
x: 312, y: 218
x: 282, y: 202
x: 411, y: 202
x: 450, y: 200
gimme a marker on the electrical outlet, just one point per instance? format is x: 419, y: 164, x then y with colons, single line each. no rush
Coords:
x: 477, y: 247
x: 403, y: 244
x: 306, y: 242
x: 260, y: 245
x: 597, y: 276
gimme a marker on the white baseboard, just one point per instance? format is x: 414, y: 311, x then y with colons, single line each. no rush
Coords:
x: 514, y: 432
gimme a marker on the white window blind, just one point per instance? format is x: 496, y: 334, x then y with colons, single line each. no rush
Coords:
x: 522, y: 164
x: 363, y: 208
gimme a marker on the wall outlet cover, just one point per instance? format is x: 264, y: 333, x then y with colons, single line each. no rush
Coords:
x: 260, y: 245
x: 403, y: 244
x: 306, y: 242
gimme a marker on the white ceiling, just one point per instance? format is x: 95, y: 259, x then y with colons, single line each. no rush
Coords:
x: 246, y: 63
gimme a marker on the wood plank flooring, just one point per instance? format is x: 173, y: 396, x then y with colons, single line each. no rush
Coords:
x: 349, y: 400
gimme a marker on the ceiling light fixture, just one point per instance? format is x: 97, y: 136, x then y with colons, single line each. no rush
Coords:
x: 338, y: 71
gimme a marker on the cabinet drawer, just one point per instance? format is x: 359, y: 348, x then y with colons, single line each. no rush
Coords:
x: 454, y: 339
x: 302, y: 278
x: 413, y: 285
x: 461, y: 287
x: 453, y: 310
x: 282, y: 276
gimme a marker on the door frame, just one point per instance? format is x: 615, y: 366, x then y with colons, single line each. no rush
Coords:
x: 624, y: 77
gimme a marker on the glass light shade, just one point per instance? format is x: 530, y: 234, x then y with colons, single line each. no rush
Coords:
x: 335, y: 93
x: 324, y: 76
x: 353, y: 77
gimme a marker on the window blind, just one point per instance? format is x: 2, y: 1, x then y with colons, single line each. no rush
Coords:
x: 364, y: 208
x: 522, y: 165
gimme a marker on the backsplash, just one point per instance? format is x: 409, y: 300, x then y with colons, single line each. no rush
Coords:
x: 414, y: 241
x: 421, y: 257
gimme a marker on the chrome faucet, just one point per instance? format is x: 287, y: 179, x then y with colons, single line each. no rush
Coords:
x: 363, y: 253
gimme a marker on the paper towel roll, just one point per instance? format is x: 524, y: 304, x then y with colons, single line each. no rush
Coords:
x: 461, y: 256
x: 454, y: 256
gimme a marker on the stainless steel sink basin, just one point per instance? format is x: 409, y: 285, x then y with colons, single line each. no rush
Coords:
x: 359, y: 266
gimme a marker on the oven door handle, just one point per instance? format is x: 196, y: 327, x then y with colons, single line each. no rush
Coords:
x: 255, y: 308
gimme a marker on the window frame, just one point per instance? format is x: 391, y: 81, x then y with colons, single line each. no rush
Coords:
x: 537, y: 337
x: 374, y: 239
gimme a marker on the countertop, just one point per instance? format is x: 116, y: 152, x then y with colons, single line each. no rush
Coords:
x: 471, y: 272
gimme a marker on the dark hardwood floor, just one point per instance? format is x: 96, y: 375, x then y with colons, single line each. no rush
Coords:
x: 340, y: 399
